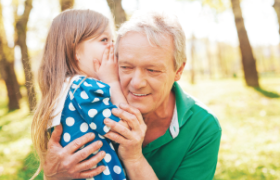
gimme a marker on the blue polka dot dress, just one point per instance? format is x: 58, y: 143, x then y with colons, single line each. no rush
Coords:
x: 86, y: 106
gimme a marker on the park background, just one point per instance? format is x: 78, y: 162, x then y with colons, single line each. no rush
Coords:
x: 233, y: 66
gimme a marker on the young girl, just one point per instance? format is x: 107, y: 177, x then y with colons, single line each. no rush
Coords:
x: 77, y: 75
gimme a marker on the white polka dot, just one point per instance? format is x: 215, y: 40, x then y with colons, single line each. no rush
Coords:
x: 71, y: 95
x: 70, y: 121
x: 90, y: 178
x: 66, y: 137
x: 93, y: 167
x: 106, y: 101
x: 93, y: 126
x: 74, y: 86
x: 112, y: 146
x: 71, y: 107
x: 106, y: 113
x: 106, y: 171
x: 99, y: 91
x: 95, y: 100
x: 84, y: 95
x: 106, y: 129
x: 107, y: 157
x: 101, y: 137
x: 117, y: 169
x: 87, y: 84
x: 100, y: 85
x: 77, y: 79
x: 84, y: 127
x: 92, y: 112
x: 95, y: 152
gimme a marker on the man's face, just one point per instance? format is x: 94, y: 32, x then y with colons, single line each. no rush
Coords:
x: 146, y: 72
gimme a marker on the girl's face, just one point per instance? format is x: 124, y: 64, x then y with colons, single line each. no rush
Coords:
x: 92, y: 50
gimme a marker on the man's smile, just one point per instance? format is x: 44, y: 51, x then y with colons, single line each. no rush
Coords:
x: 139, y: 94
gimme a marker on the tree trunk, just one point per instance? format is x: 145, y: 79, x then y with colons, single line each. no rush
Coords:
x: 276, y: 6
x: 221, y: 59
x: 117, y: 12
x: 66, y: 4
x: 193, y: 59
x: 7, y: 68
x: 209, y: 58
x: 21, y: 28
x: 248, y: 60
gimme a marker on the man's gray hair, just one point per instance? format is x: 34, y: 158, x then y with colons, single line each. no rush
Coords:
x: 156, y: 26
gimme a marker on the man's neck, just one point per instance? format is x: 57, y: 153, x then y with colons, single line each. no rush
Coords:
x: 159, y: 121
x: 165, y: 111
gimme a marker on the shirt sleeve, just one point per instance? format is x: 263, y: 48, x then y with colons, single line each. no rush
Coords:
x: 200, y: 162
x: 93, y: 102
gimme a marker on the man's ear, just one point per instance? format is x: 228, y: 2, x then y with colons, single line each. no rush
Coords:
x: 179, y: 72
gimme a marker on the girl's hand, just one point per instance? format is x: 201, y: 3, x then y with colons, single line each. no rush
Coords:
x: 130, y: 139
x: 107, y: 71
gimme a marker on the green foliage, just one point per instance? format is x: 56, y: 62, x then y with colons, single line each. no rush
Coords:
x: 250, y: 145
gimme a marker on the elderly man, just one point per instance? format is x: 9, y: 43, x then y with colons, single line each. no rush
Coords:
x: 170, y: 134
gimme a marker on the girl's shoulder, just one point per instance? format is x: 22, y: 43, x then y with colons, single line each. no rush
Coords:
x: 85, y: 87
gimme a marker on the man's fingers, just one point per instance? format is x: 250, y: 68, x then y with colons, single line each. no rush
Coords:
x: 115, y: 137
x: 85, y: 152
x: 78, y: 143
x: 90, y: 163
x: 90, y: 173
x: 56, y: 134
x: 133, y: 111
x: 119, y: 128
x: 131, y: 119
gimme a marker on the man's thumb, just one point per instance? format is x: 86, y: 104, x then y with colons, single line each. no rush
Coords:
x: 56, y: 134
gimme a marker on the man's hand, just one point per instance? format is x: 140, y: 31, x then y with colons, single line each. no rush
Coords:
x: 131, y: 138
x: 65, y: 163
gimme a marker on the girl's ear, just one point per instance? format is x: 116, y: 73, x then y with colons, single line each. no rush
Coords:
x: 180, y: 72
x: 77, y: 50
x: 76, y: 57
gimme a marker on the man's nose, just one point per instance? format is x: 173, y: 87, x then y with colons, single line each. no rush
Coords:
x: 138, y: 80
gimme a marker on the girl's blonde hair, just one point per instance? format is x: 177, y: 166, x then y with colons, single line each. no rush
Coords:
x: 68, y: 29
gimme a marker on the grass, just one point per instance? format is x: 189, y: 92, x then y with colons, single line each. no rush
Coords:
x: 250, y: 118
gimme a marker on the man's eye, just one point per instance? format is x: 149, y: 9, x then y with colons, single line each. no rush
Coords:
x: 104, y: 40
x: 152, y: 70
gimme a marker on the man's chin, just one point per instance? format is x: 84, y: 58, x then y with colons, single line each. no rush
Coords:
x: 142, y: 108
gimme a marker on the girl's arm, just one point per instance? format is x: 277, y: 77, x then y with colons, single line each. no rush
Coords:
x: 107, y: 72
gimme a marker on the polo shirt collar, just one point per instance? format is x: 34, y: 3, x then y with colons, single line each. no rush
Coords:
x: 174, y: 125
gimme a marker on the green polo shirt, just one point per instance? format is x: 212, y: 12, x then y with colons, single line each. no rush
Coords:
x: 189, y: 148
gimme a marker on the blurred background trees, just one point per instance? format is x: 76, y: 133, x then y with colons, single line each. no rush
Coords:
x: 232, y: 45
x: 117, y: 11
x: 20, y: 40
